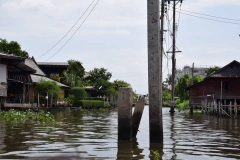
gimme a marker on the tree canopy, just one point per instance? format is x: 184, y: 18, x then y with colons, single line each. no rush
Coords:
x: 97, y: 73
x: 182, y: 83
x: 212, y: 69
x: 74, y: 73
x: 12, y: 47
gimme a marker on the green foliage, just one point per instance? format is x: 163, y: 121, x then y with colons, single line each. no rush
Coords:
x: 12, y: 47
x: 74, y: 73
x: 97, y: 73
x: 212, y: 69
x: 95, y: 98
x: 70, y: 99
x: 182, y: 105
x: 27, y: 116
x: 156, y: 155
x: 79, y: 93
x: 55, y: 76
x: 182, y: 83
x: 166, y: 97
x: 91, y: 104
x: 49, y: 87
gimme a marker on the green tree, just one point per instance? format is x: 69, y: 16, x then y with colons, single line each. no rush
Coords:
x: 12, y: 47
x: 97, y: 73
x: 182, y: 83
x: 48, y: 87
x: 55, y: 76
x: 212, y: 69
x: 119, y: 83
x: 74, y: 74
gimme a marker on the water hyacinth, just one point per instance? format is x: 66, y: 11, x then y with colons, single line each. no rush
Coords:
x: 26, y: 116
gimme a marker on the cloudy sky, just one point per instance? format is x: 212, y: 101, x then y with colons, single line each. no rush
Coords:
x: 114, y: 36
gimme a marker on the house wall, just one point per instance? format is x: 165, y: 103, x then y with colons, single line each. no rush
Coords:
x: 212, y: 87
x: 56, y: 70
x: 3, y: 80
x: 34, y: 92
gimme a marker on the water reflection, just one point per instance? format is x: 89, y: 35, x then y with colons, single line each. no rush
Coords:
x: 129, y: 150
x: 93, y: 135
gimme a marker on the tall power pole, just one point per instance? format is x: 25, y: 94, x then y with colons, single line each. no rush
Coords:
x: 173, y: 54
x: 155, y: 70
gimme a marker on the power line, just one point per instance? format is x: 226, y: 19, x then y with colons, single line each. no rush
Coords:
x: 67, y: 31
x: 74, y: 32
x: 216, y: 20
x: 210, y: 19
x: 209, y: 15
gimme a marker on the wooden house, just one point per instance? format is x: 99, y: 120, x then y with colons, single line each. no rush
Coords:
x: 38, y: 76
x: 14, y: 79
x: 222, y: 85
x: 53, y: 67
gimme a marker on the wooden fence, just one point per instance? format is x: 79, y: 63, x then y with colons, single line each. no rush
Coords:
x: 213, y: 107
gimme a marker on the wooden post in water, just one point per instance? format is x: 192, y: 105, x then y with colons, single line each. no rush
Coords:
x: 155, y: 71
x: 137, y: 115
x: 219, y: 107
x: 235, y: 108
x: 230, y: 108
x: 124, y: 113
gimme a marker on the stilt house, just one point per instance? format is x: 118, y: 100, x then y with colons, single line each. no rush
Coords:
x: 222, y: 85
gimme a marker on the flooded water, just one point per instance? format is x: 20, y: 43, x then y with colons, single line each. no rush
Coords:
x: 93, y: 135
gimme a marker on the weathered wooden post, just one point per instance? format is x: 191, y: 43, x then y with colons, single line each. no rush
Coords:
x: 235, y: 108
x: 124, y: 113
x: 230, y: 108
x: 137, y: 115
x: 219, y: 107
x: 154, y: 72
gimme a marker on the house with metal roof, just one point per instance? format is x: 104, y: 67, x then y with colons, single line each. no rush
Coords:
x: 53, y: 67
x: 18, y: 80
x: 40, y: 75
x: 222, y: 85
x: 14, y: 79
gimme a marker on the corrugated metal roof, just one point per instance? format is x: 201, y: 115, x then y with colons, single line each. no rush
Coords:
x: 31, y: 63
x: 20, y: 68
x: 52, y: 63
x: 11, y: 56
x: 38, y: 78
x: 225, y: 75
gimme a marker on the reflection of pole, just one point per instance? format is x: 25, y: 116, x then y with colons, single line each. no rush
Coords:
x: 38, y: 99
x: 173, y: 58
x: 47, y: 99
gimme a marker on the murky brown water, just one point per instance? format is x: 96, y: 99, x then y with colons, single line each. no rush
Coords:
x: 93, y: 135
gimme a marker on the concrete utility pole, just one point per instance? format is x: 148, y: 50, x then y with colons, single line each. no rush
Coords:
x: 173, y: 58
x: 173, y: 54
x: 155, y: 71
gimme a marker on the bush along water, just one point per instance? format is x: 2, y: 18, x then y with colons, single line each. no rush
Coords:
x: 26, y: 116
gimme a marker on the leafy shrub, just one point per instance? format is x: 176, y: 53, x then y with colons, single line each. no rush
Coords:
x: 27, y: 116
x: 182, y: 105
x: 80, y: 94
x: 95, y: 98
x: 91, y: 104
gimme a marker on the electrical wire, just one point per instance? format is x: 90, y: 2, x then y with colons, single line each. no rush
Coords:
x: 209, y: 15
x: 74, y: 32
x: 67, y: 31
x: 211, y: 19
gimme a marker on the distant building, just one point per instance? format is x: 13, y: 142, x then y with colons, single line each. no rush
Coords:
x: 201, y: 71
